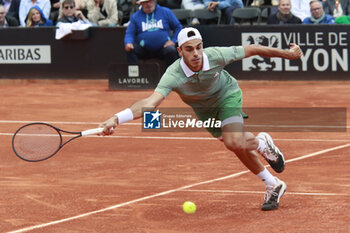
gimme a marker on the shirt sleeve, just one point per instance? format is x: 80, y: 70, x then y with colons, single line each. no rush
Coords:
x: 22, y: 13
x: 165, y: 85
x: 46, y: 8
x: 130, y: 31
x: 233, y: 53
x: 175, y: 25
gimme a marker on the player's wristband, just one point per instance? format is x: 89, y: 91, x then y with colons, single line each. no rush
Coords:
x: 124, y: 116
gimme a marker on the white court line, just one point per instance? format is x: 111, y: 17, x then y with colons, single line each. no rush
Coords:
x: 201, y: 138
x: 166, y: 192
x: 259, y: 192
x: 60, y: 122
x: 139, y: 124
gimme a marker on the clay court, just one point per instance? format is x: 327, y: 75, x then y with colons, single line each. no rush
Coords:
x: 136, y: 182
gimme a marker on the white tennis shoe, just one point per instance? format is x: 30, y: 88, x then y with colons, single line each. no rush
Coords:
x: 271, y: 153
x: 273, y: 195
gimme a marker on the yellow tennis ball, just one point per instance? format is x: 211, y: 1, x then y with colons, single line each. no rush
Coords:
x: 189, y: 207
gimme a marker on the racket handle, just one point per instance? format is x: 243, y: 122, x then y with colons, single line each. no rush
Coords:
x: 92, y: 131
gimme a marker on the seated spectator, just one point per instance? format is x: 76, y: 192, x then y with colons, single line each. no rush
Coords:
x: 6, y: 4
x: 337, y: 8
x: 6, y: 21
x: 301, y: 8
x: 14, y: 9
x: 70, y: 14
x: 148, y: 34
x: 317, y: 14
x: 193, y: 5
x: 171, y: 4
x: 345, y: 19
x: 127, y: 7
x: 103, y: 12
x: 55, y: 8
x: 262, y: 2
x: 283, y: 15
x: 226, y: 6
x: 26, y: 5
x: 36, y: 18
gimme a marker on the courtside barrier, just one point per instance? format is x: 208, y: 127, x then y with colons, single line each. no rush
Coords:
x: 34, y: 53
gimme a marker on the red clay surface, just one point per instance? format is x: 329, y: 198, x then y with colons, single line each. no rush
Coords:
x: 146, y: 179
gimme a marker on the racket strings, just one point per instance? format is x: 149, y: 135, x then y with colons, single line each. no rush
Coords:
x: 36, y: 142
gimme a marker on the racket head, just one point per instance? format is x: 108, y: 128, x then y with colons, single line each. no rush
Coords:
x: 36, y: 141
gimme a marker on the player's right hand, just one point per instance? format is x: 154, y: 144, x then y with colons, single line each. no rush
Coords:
x: 295, y: 51
x: 109, y: 125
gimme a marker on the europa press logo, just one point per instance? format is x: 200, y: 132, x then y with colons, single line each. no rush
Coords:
x: 151, y: 120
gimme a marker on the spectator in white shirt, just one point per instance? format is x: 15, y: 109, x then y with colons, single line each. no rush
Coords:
x: 301, y: 8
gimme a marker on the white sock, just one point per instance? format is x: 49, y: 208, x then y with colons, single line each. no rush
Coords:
x: 267, y: 178
x: 261, y: 146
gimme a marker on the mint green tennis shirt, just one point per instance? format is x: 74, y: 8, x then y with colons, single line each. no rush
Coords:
x: 208, y: 87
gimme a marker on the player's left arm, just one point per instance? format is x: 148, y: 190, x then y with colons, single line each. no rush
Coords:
x: 294, y: 51
x: 131, y: 113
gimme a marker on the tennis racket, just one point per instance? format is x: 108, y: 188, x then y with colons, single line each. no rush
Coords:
x: 38, y: 141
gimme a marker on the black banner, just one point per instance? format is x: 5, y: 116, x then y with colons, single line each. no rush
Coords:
x: 325, y: 48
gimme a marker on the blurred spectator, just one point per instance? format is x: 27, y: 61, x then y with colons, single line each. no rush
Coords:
x: 55, y: 8
x: 193, y: 5
x: 148, y: 34
x: 6, y: 4
x: 301, y: 8
x: 337, y: 8
x: 262, y: 2
x: 283, y: 15
x: 345, y: 19
x: 226, y: 7
x: 127, y: 7
x: 70, y: 14
x: 36, y: 18
x: 318, y: 16
x: 172, y: 4
x: 103, y: 12
x: 6, y: 21
x: 26, y: 5
x: 14, y: 9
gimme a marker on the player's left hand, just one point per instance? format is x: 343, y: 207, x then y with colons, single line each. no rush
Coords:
x: 295, y: 51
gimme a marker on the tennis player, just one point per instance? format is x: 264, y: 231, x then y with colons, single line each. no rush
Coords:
x: 201, y: 81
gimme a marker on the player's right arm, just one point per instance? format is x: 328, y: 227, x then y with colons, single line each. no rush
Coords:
x: 134, y: 112
x: 293, y: 53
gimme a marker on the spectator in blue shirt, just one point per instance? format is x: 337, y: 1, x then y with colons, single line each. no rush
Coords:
x: 226, y: 6
x: 318, y: 16
x: 26, y: 5
x: 36, y: 18
x: 148, y: 34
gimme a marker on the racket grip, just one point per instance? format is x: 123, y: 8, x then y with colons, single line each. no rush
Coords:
x: 91, y: 131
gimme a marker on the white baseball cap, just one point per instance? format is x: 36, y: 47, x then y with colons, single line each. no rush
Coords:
x: 187, y: 34
x: 139, y: 1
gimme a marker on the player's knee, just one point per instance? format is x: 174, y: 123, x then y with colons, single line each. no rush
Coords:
x: 235, y: 144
